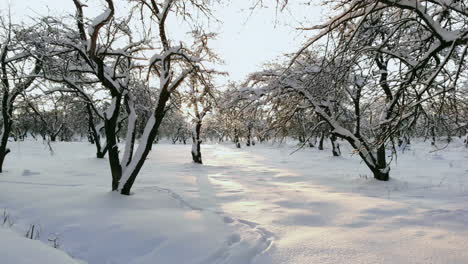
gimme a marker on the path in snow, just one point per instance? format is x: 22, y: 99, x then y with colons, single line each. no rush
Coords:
x: 294, y: 201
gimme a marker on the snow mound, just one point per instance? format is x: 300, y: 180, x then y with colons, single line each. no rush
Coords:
x: 15, y: 249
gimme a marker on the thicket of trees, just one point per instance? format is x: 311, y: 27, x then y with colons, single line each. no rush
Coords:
x: 376, y: 74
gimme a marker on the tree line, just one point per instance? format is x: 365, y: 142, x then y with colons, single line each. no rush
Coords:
x: 375, y: 75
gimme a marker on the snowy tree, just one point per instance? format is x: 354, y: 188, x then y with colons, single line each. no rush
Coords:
x: 200, y: 100
x: 397, y: 54
x: 18, y: 70
x: 103, y: 60
x: 201, y: 92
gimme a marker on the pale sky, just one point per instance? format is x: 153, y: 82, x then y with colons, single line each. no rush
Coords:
x: 246, y: 40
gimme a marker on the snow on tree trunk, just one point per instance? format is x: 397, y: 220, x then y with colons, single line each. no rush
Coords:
x: 110, y: 124
x: 7, y: 124
x: 196, y: 141
x: 3, y: 145
x: 131, y: 132
x: 146, y: 142
x: 335, y: 146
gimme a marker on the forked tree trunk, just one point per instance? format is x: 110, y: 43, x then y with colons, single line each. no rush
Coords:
x: 146, y: 143
x: 375, y: 163
x: 378, y: 166
x: 101, y: 154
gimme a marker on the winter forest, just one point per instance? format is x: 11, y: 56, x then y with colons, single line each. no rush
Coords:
x: 233, y: 132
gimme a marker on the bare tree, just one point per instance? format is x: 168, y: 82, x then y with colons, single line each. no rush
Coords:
x: 17, y: 73
x: 101, y: 60
x: 391, y: 57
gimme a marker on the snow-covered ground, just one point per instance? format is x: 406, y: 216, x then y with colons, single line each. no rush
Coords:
x: 252, y: 205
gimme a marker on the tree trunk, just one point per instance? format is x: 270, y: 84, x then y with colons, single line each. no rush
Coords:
x: 146, y: 143
x: 116, y: 169
x: 90, y: 137
x: 301, y: 139
x: 433, y: 142
x: 236, y: 138
x: 95, y: 138
x: 101, y: 154
x: 196, y: 141
x: 4, y: 141
x: 131, y: 133
x: 378, y: 166
x: 381, y: 175
x: 382, y: 172
x: 322, y: 137
x: 335, y: 146
x: 249, y: 136
x: 110, y: 125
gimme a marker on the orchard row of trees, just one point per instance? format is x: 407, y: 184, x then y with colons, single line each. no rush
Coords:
x: 375, y: 75
x: 378, y: 71
x: 119, y: 74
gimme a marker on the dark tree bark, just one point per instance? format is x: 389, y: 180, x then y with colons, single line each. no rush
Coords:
x: 236, y: 138
x: 249, y: 136
x: 196, y: 152
x: 4, y: 141
x: 322, y: 137
x: 9, y: 95
x: 94, y: 134
x: 433, y: 142
x: 110, y: 125
x: 159, y: 115
x: 381, y: 171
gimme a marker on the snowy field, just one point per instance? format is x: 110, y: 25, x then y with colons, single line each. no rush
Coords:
x: 251, y: 205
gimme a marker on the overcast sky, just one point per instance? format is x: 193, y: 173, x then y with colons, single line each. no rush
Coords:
x: 246, y: 39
